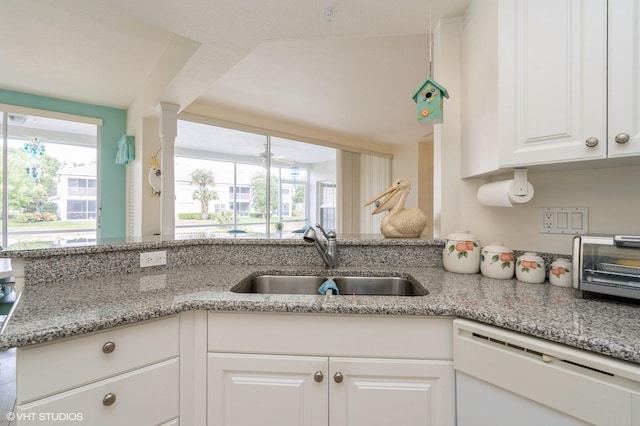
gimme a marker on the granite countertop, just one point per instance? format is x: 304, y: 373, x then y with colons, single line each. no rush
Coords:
x: 62, y: 309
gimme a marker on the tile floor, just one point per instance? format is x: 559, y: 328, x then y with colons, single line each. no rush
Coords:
x: 7, y: 384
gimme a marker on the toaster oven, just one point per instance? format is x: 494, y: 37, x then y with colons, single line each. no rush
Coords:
x: 607, y: 264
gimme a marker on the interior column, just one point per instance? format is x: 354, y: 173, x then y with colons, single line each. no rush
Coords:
x: 168, y: 133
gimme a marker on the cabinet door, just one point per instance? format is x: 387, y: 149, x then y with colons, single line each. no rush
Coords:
x: 552, y: 80
x: 382, y: 392
x: 266, y: 390
x: 624, y: 77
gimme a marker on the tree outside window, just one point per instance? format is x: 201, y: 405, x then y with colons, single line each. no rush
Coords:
x: 204, y: 182
x: 26, y: 193
x: 258, y: 187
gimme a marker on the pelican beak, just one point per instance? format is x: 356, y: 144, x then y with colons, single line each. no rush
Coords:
x: 389, y: 193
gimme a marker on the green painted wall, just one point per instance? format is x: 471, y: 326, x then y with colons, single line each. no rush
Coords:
x: 111, y: 176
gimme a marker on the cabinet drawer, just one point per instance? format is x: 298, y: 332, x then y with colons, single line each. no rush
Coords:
x: 331, y: 335
x: 44, y: 369
x: 147, y: 396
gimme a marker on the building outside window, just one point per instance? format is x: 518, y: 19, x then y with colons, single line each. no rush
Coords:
x: 77, y: 193
x: 240, y: 200
x: 81, y: 209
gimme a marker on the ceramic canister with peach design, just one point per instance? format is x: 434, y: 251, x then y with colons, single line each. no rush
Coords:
x: 497, y: 261
x: 530, y: 268
x: 560, y: 273
x: 461, y: 253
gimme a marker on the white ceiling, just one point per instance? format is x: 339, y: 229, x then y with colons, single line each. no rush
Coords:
x: 352, y: 76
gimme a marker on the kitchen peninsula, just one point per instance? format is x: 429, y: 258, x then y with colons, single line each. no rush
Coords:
x: 74, y: 290
x: 79, y: 293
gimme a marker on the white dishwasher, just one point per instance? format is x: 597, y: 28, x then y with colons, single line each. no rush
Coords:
x: 504, y: 378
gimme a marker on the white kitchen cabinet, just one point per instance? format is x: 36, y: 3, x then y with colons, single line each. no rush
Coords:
x: 390, y: 392
x: 125, y: 375
x: 534, y: 76
x: 329, y: 370
x: 624, y: 78
x: 284, y: 390
x: 274, y: 390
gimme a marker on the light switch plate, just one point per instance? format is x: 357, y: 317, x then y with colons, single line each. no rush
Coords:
x: 564, y: 220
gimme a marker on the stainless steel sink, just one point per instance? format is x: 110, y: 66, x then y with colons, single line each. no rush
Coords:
x: 347, y: 286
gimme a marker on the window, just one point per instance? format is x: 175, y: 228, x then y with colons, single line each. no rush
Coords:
x: 49, y: 174
x: 82, y: 187
x: 222, y: 185
x: 81, y: 210
x: 327, y: 205
x: 240, y: 200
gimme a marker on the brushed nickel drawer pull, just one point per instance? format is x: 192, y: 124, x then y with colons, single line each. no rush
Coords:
x: 108, y: 399
x: 108, y: 347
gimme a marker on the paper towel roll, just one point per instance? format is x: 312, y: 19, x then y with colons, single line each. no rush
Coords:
x: 502, y: 194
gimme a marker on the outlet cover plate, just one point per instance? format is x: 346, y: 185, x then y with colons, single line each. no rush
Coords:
x: 153, y: 258
x: 564, y: 220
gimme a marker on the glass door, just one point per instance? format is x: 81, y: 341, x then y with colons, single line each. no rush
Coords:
x: 49, y: 181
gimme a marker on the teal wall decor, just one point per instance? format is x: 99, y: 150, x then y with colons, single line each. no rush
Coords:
x: 430, y: 101
x: 126, y: 150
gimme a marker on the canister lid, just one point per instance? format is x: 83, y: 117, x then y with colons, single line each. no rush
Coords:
x: 531, y: 256
x: 561, y: 262
x: 497, y: 248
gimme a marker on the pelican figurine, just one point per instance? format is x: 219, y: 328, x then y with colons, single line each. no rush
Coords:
x: 398, y: 222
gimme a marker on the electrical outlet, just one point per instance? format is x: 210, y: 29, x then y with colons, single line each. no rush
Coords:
x: 153, y: 258
x: 547, y: 220
x: 564, y: 220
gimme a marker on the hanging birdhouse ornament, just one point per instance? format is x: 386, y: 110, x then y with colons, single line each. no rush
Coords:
x: 430, y: 100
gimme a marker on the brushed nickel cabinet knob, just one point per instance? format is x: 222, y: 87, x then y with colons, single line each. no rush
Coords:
x: 318, y: 376
x: 591, y: 142
x: 622, y: 138
x: 108, y: 399
x: 108, y: 347
x: 338, y: 377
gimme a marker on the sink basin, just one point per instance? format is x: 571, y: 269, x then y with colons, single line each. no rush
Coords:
x: 347, y: 286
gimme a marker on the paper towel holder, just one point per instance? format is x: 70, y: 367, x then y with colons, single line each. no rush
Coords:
x: 520, y: 183
x: 505, y: 193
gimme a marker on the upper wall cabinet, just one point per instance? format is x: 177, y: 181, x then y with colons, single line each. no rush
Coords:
x: 623, y: 133
x: 534, y: 81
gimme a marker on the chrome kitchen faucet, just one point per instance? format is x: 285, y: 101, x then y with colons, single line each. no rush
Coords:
x: 329, y: 253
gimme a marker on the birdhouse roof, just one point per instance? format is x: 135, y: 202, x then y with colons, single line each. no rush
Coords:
x: 429, y: 80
